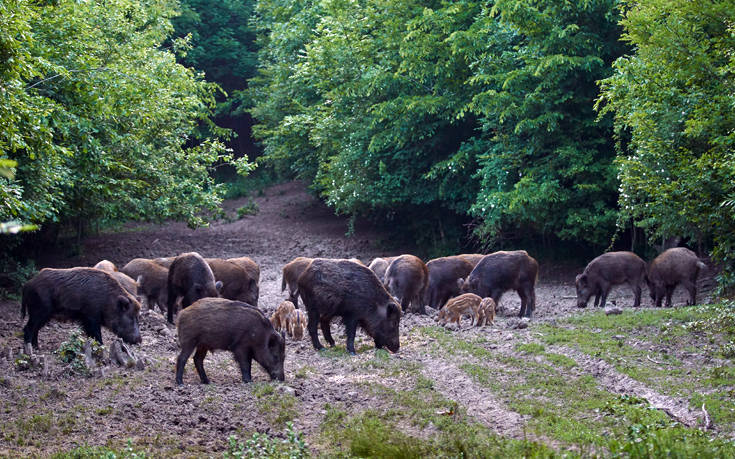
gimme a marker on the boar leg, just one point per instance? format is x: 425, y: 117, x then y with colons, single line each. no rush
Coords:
x: 326, y: 330
x: 245, y: 360
x: 605, y: 291
x: 692, y: 289
x: 186, y: 350
x: 92, y: 329
x: 351, y: 330
x: 637, y: 294
x: 419, y: 303
x: 30, y: 331
x: 530, y: 301
x: 313, y: 327
x: 199, y: 364
x: 171, y: 304
x: 598, y: 294
x: 669, y: 292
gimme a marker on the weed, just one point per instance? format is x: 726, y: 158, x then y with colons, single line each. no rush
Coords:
x: 278, y: 407
x: 530, y: 348
x: 251, y: 208
x: 71, y: 351
x: 95, y: 452
x: 263, y: 446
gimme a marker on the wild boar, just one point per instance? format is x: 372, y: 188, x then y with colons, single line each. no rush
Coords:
x: 671, y: 268
x: 486, y: 312
x: 253, y: 270
x: 291, y: 272
x: 237, y: 283
x: 164, y: 261
x: 127, y: 283
x: 467, y: 303
x: 607, y: 270
x: 407, y: 278
x: 106, y: 265
x: 212, y: 324
x: 295, y: 324
x: 380, y: 265
x: 443, y: 275
x: 152, y: 281
x: 190, y: 278
x: 471, y: 258
x: 87, y: 295
x: 279, y: 319
x: 342, y: 288
x: 502, y: 271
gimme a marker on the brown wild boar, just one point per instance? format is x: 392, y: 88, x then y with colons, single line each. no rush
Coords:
x: 486, y: 312
x: 253, y: 270
x: 87, y: 295
x: 349, y: 290
x: 295, y: 324
x: 279, y: 319
x: 212, y: 324
x: 152, y: 281
x: 190, y: 278
x: 501, y: 271
x: 380, y: 265
x: 467, y: 303
x: 164, y: 261
x: 237, y: 283
x: 127, y: 283
x: 106, y: 265
x: 406, y: 279
x: 606, y: 271
x: 291, y: 272
x: 671, y: 268
x: 471, y: 258
x: 443, y: 275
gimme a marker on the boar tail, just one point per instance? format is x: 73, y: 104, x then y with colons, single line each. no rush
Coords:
x: 701, y: 265
x: 23, y: 308
x: 283, y: 284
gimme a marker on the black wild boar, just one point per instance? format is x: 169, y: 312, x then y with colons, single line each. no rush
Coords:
x: 219, y: 324
x: 190, y: 278
x: 407, y: 278
x: 443, y: 275
x: 152, y: 281
x: 380, y: 265
x: 607, y: 270
x: 342, y: 288
x: 237, y: 284
x: 86, y: 295
x: 501, y: 271
x: 674, y: 266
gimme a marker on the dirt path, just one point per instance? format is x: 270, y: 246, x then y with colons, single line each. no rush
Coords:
x: 60, y: 411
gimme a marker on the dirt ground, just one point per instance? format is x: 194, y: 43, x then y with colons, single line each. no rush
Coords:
x: 60, y: 411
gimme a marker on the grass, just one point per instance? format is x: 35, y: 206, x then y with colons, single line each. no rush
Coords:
x: 276, y: 406
x: 568, y: 406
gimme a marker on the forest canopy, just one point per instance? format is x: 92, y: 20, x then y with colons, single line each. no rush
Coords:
x: 524, y: 120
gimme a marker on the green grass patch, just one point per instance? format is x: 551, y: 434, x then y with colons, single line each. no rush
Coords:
x: 278, y: 407
x: 530, y: 348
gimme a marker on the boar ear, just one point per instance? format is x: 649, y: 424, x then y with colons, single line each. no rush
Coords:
x: 393, y: 309
x: 581, y: 279
x: 218, y: 286
x: 139, y: 280
x: 123, y: 303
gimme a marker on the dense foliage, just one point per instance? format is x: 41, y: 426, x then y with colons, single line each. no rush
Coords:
x: 99, y: 117
x: 466, y: 108
x: 675, y: 118
x: 223, y: 47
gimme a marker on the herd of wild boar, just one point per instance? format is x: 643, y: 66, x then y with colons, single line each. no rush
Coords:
x: 217, y: 299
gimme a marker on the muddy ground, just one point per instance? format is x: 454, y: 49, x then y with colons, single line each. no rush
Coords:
x: 60, y: 410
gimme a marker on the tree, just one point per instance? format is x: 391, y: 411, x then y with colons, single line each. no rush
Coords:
x: 675, y: 120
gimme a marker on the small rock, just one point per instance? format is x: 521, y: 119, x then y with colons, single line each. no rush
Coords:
x: 613, y: 311
x: 286, y: 389
x: 619, y: 337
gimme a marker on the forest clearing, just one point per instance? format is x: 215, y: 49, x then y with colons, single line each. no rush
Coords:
x: 574, y: 381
